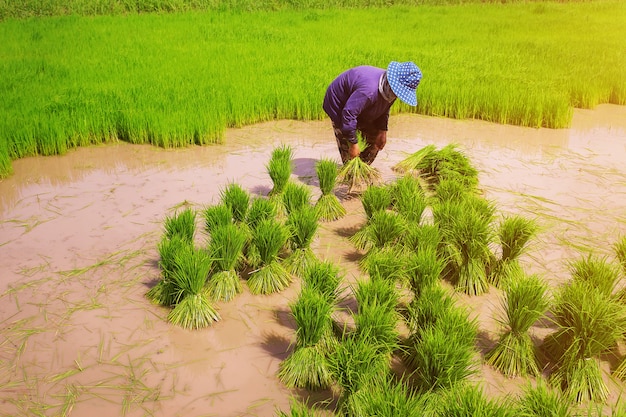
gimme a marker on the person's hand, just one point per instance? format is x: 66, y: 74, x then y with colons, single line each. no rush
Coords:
x: 353, y: 150
x: 381, y: 139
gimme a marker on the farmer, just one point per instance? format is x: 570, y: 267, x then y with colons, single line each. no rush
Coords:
x: 359, y: 100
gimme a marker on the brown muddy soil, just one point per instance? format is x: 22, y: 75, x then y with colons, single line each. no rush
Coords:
x: 78, y: 238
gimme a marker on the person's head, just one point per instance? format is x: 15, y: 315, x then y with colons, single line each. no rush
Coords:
x: 404, y: 77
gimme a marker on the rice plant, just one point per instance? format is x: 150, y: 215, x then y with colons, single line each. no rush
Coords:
x: 408, y: 198
x: 542, y: 401
x: 298, y: 409
x: 525, y: 301
x: 425, y: 236
x: 470, y: 400
x: 588, y: 324
x: 163, y: 293
x: 424, y: 311
x: 307, y: 366
x: 302, y: 224
x: 424, y: 269
x: 450, y: 189
x: 260, y: 209
x: 358, y: 175
x: 193, y: 309
x: 415, y: 159
x: 513, y: 235
x: 280, y: 168
x: 375, y: 198
x: 216, y: 216
x: 328, y: 205
x: 386, y: 264
x: 596, y: 272
x: 384, y: 228
x: 324, y: 277
x: 182, y: 224
x: 226, y: 250
x: 295, y: 196
x: 619, y: 248
x: 237, y: 200
x: 269, y: 237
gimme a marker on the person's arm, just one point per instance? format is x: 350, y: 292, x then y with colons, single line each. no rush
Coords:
x: 351, y: 111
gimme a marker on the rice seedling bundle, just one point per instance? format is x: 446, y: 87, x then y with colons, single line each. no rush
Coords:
x: 408, y: 198
x: 589, y: 324
x: 324, y: 277
x: 425, y: 236
x: 449, y: 189
x: 295, y: 196
x: 376, y: 293
x: 384, y: 228
x: 424, y: 268
x: 469, y: 400
x: 193, y: 310
x: 376, y: 316
x: 514, y: 233
x: 298, y: 409
x: 597, y: 272
x: 424, y: 311
x: 414, y: 160
x: 216, y: 216
x: 328, y: 205
x: 279, y: 168
x: 163, y: 293
x: 542, y: 401
x: 260, y: 209
x: 358, y: 175
x: 269, y: 238
x: 182, y: 224
x: 619, y: 248
x: 525, y: 301
x: 307, y: 367
x: 226, y: 249
x: 387, y: 264
x: 375, y: 198
x: 237, y: 200
x: 302, y: 224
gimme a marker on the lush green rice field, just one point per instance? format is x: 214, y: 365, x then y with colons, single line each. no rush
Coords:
x: 182, y: 78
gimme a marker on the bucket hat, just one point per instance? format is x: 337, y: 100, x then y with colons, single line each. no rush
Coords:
x: 404, y: 77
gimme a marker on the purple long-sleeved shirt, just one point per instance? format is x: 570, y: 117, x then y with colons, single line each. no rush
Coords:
x: 353, y: 99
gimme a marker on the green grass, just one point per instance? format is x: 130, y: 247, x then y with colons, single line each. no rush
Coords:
x: 182, y: 78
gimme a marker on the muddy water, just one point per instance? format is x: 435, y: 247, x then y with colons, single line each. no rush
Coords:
x: 78, y: 238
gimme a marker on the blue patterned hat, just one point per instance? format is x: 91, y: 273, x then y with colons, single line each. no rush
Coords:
x: 404, y: 77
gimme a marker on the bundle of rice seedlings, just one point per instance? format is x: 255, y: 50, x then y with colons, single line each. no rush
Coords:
x: 324, y: 277
x: 375, y: 198
x: 424, y: 311
x: 295, y: 196
x: 237, y: 200
x: 328, y: 205
x: 384, y: 228
x: 216, y: 216
x: 423, y: 268
x: 260, y: 209
x: 298, y: 409
x: 389, y: 398
x: 193, y: 309
x: 541, y: 401
x: 619, y: 248
x: 469, y: 400
x: 386, y: 264
x: 307, y: 366
x: 376, y: 293
x: 514, y: 233
x: 589, y: 324
x: 302, y: 225
x: 525, y: 301
x: 269, y: 237
x: 408, y: 198
x: 414, y: 160
x: 449, y: 189
x: 226, y: 249
x: 358, y: 175
x: 597, y: 272
x: 182, y: 224
x: 163, y: 293
x: 466, y: 232
x: 279, y: 168
x: 425, y: 236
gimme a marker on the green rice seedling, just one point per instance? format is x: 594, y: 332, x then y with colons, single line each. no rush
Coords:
x: 469, y: 400
x: 260, y: 209
x: 164, y: 291
x: 425, y: 236
x: 324, y: 277
x: 280, y: 168
x: 424, y: 311
x: 450, y: 189
x: 619, y: 248
x: 307, y: 367
x: 597, y: 272
x: 295, y: 196
x: 226, y: 249
x: 358, y: 175
x: 376, y: 316
x: 302, y: 224
x: 386, y: 264
x: 414, y: 160
x: 216, y: 216
x: 513, y: 235
x: 193, y: 310
x: 525, y: 301
x: 237, y: 200
x: 423, y: 268
x: 376, y: 293
x: 384, y: 228
x: 328, y: 205
x: 375, y: 198
x: 299, y: 409
x: 542, y: 401
x: 269, y: 238
x: 588, y: 324
x: 182, y: 224
x: 389, y: 398
x: 408, y: 198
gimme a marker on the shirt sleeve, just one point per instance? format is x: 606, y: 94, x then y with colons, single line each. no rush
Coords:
x: 351, y: 111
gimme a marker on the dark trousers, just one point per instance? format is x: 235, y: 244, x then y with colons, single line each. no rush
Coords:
x: 368, y: 134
